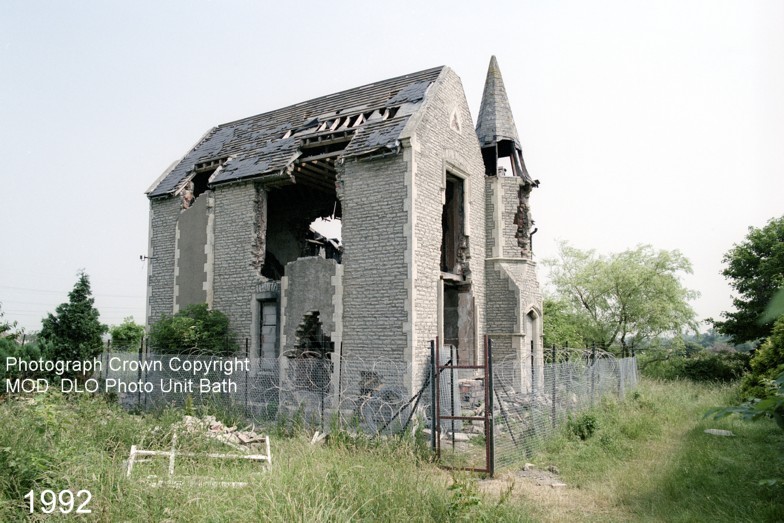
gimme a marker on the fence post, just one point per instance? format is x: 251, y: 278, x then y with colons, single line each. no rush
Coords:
x: 247, y: 369
x: 141, y: 352
x: 433, y: 378
x: 436, y: 419
x: 593, y: 372
x: 452, y: 391
x: 489, y: 392
x: 554, y: 372
x: 533, y: 370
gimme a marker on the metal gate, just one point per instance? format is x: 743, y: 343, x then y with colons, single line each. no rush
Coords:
x: 459, y: 404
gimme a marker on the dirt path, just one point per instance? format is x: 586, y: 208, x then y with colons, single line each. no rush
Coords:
x: 601, y: 500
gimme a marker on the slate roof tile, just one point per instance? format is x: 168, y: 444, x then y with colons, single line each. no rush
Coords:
x: 262, y: 144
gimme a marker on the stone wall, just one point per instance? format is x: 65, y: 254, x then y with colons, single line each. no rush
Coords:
x: 372, y: 195
x: 308, y: 286
x: 234, y: 276
x: 164, y: 213
x: 512, y: 285
x: 442, y: 140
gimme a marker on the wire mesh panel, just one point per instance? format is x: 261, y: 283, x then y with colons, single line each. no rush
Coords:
x: 366, y: 395
x: 532, y: 402
x: 498, y: 418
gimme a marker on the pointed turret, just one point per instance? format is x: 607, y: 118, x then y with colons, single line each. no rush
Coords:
x: 495, y: 121
x: 496, y: 129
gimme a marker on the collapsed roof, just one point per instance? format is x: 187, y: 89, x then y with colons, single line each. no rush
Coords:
x: 303, y: 141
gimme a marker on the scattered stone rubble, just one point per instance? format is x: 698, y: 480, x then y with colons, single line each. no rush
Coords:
x: 547, y: 477
x: 245, y: 440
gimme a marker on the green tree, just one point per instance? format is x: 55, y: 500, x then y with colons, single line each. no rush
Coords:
x: 755, y: 268
x: 127, y: 335
x: 7, y: 329
x: 766, y: 364
x: 194, y: 330
x: 624, y: 299
x: 74, y: 331
x: 562, y: 326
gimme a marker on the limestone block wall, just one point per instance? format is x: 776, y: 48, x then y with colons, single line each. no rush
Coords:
x: 441, y: 139
x: 164, y: 213
x: 309, y: 285
x: 375, y: 314
x: 512, y: 287
x: 234, y: 277
x: 502, y: 202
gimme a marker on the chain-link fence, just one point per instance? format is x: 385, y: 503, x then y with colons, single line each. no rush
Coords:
x: 571, y: 380
x: 529, y: 396
x: 321, y: 392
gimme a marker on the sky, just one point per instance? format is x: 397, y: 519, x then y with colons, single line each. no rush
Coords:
x: 656, y: 123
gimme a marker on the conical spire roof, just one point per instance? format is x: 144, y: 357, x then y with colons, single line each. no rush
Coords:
x: 495, y: 122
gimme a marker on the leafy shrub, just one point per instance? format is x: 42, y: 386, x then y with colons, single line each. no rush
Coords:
x: 194, y: 330
x: 766, y: 365
x: 30, y: 351
x: 583, y: 426
x: 702, y: 366
x: 127, y: 335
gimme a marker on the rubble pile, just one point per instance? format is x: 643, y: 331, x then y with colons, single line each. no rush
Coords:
x: 245, y: 440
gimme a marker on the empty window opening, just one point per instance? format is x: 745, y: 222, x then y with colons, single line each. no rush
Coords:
x: 268, y: 329
x: 313, y: 354
x: 294, y: 227
x: 453, y: 241
x: 505, y: 159
x: 195, y: 188
x: 323, y: 239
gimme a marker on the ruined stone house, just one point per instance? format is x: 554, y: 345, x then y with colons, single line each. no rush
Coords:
x: 435, y: 227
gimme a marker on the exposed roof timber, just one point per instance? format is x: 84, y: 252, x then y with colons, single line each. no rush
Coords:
x: 333, y: 155
x: 262, y: 145
x: 322, y: 168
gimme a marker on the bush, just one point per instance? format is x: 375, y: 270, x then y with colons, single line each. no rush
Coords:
x: 702, y: 366
x: 194, y: 330
x: 766, y: 365
x: 126, y: 336
x: 583, y: 426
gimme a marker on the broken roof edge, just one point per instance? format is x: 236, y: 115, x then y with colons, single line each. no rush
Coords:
x: 176, y: 163
x: 330, y: 95
x: 416, y: 117
x: 163, y: 176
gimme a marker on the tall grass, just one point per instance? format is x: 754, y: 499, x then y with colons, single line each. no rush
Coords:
x: 644, y: 459
x: 59, y: 443
x: 649, y: 458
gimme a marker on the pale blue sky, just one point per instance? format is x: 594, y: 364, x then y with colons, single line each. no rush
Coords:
x: 646, y: 122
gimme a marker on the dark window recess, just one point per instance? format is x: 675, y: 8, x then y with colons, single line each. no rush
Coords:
x: 268, y: 329
x: 200, y: 183
x: 273, y: 269
x: 452, y: 226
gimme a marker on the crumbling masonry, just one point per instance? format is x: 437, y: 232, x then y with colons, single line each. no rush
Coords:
x: 435, y: 221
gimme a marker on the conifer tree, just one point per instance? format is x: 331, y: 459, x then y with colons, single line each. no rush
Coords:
x: 74, y: 331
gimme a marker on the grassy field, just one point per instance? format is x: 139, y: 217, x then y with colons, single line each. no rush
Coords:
x: 646, y: 459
